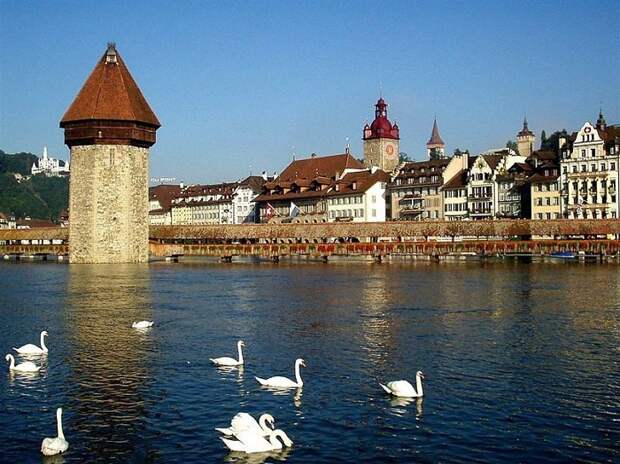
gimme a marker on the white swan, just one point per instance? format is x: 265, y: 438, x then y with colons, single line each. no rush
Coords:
x: 226, y: 361
x: 22, y: 367
x: 34, y: 349
x: 53, y: 446
x: 142, y: 325
x: 243, y: 422
x: 283, y: 382
x: 249, y: 442
x: 404, y: 389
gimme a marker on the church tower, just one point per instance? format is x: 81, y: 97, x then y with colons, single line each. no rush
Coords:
x: 525, y: 140
x: 381, y: 140
x: 109, y: 128
x: 435, y: 148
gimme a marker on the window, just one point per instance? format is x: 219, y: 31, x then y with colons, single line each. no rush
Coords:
x: 593, y: 152
x: 374, y: 199
x: 583, y: 153
x: 374, y: 213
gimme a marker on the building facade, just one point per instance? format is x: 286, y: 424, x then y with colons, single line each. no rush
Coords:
x: 414, y: 191
x: 325, y: 189
x: 590, y: 163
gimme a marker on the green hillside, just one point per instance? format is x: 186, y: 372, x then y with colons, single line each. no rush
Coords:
x: 38, y: 197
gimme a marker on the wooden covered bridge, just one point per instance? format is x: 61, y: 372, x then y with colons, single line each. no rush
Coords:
x: 379, y: 240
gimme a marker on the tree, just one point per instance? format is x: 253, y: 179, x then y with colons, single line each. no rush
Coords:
x: 511, y: 144
x: 403, y: 157
x: 543, y: 137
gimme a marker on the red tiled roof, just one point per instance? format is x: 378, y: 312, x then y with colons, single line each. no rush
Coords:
x: 363, y: 181
x: 493, y: 160
x: 318, y: 166
x: 164, y: 194
x: 459, y: 180
x: 110, y: 93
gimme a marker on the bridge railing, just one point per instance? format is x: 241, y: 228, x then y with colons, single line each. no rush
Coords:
x: 399, y: 231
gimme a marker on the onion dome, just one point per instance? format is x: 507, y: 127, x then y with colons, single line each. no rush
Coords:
x: 381, y: 127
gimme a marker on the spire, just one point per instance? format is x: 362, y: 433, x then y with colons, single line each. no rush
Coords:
x: 525, y: 131
x: 435, y: 137
x: 600, y: 122
x: 45, y: 152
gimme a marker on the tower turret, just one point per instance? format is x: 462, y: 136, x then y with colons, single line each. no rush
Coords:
x: 381, y: 140
x: 525, y: 140
x: 435, y: 147
x: 109, y: 128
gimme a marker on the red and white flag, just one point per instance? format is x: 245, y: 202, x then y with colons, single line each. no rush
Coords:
x: 270, y: 212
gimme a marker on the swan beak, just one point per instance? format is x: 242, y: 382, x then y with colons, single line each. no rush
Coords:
x: 303, y: 363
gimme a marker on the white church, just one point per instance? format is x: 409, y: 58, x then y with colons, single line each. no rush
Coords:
x: 51, y: 167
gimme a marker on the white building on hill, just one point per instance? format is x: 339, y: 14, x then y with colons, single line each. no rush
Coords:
x: 51, y: 167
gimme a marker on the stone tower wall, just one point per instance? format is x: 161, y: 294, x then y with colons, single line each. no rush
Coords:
x: 108, y: 204
x: 375, y: 154
x: 525, y: 144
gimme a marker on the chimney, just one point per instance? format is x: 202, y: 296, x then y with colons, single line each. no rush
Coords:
x: 181, y: 185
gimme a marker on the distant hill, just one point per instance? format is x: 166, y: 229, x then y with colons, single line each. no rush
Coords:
x: 20, y: 163
x: 38, y: 197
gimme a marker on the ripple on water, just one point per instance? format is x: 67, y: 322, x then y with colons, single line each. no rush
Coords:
x: 517, y: 366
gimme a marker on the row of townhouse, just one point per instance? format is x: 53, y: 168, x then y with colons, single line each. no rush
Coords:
x: 225, y: 203
x: 570, y: 176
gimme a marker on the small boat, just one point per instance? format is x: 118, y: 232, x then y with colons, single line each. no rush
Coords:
x: 563, y: 255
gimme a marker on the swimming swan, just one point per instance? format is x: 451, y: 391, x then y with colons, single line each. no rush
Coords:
x: 249, y: 442
x: 226, y: 361
x: 142, y: 325
x: 53, y: 446
x: 283, y: 382
x: 34, y: 349
x: 23, y: 367
x: 243, y: 422
x: 404, y: 389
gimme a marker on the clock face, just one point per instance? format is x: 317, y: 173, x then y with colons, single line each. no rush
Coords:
x: 389, y: 150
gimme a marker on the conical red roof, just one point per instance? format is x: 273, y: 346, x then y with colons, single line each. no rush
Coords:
x: 110, y: 93
x: 435, y: 137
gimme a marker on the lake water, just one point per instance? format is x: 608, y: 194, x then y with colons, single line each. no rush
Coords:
x: 521, y: 360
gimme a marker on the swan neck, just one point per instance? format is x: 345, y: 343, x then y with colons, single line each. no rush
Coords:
x: 418, y: 382
x: 43, y: 347
x: 273, y: 439
x: 239, y: 349
x: 262, y: 422
x: 298, y: 374
x: 59, y: 424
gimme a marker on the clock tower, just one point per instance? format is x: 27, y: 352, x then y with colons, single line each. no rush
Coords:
x: 381, y: 140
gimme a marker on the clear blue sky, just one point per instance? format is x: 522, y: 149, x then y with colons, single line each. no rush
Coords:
x: 241, y: 83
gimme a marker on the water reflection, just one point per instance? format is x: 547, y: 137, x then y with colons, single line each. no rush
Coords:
x: 400, y: 405
x: 258, y: 458
x: 109, y: 359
